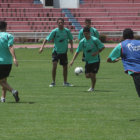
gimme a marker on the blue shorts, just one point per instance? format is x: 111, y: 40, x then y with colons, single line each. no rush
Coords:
x: 5, y: 70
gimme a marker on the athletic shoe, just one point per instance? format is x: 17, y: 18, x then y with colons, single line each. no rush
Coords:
x: 15, y: 94
x: 67, y: 85
x: 2, y: 99
x: 52, y: 84
x: 90, y: 89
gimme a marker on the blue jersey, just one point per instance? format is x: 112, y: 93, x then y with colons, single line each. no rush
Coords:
x: 131, y: 55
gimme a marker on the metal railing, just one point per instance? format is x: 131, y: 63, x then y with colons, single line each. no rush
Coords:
x: 41, y: 35
x: 35, y: 35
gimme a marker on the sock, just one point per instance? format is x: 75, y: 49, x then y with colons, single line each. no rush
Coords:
x: 2, y: 98
x: 14, y: 91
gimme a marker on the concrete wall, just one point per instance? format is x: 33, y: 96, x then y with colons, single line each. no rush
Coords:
x: 43, y: 1
x: 56, y: 3
x: 66, y: 3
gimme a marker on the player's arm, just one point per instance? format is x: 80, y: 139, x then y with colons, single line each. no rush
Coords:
x: 74, y: 57
x: 48, y: 38
x: 41, y: 48
x: 71, y: 44
x: 115, y: 54
x: 100, y: 50
x: 100, y: 46
x: 70, y: 37
x: 79, y: 48
x: 11, y: 49
x: 110, y: 60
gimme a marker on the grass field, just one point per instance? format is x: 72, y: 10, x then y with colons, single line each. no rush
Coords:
x: 112, y: 112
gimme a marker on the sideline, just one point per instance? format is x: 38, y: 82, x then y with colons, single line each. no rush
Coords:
x: 107, y: 45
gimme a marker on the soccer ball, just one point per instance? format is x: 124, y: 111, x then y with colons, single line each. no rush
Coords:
x: 78, y: 70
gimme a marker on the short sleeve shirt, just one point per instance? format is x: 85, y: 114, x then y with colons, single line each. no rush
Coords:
x: 93, y: 32
x: 89, y: 47
x: 61, y: 39
x: 6, y: 40
x: 116, y: 52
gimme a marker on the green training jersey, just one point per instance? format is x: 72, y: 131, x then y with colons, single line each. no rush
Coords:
x: 6, y: 40
x: 93, y: 32
x: 61, y: 39
x: 89, y: 47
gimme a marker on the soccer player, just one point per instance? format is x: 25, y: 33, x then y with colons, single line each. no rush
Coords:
x: 93, y: 32
x: 7, y: 57
x: 61, y: 36
x: 91, y: 46
x: 129, y: 51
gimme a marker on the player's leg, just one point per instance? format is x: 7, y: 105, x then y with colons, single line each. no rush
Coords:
x: 136, y: 78
x: 92, y: 76
x: 54, y: 67
x: 64, y: 63
x: 90, y: 72
x: 3, y: 96
x: 65, y: 73
x: 4, y: 73
x: 93, y: 79
x: 6, y: 86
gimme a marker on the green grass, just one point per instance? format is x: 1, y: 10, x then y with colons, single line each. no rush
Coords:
x: 112, y: 112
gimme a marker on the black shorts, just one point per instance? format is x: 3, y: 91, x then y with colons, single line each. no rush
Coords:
x: 5, y: 70
x: 60, y: 57
x: 92, y: 68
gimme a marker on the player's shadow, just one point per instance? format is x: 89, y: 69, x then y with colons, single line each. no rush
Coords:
x: 21, y: 102
x: 101, y: 91
x: 79, y: 86
x: 70, y: 86
x: 103, y: 78
x: 104, y: 91
x: 134, y: 120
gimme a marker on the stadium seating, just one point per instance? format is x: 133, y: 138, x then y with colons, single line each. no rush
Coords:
x: 16, y: 1
x: 106, y: 15
x: 25, y: 16
x: 109, y: 15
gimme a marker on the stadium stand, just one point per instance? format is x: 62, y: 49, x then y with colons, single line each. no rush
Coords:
x: 109, y: 17
x: 25, y: 16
